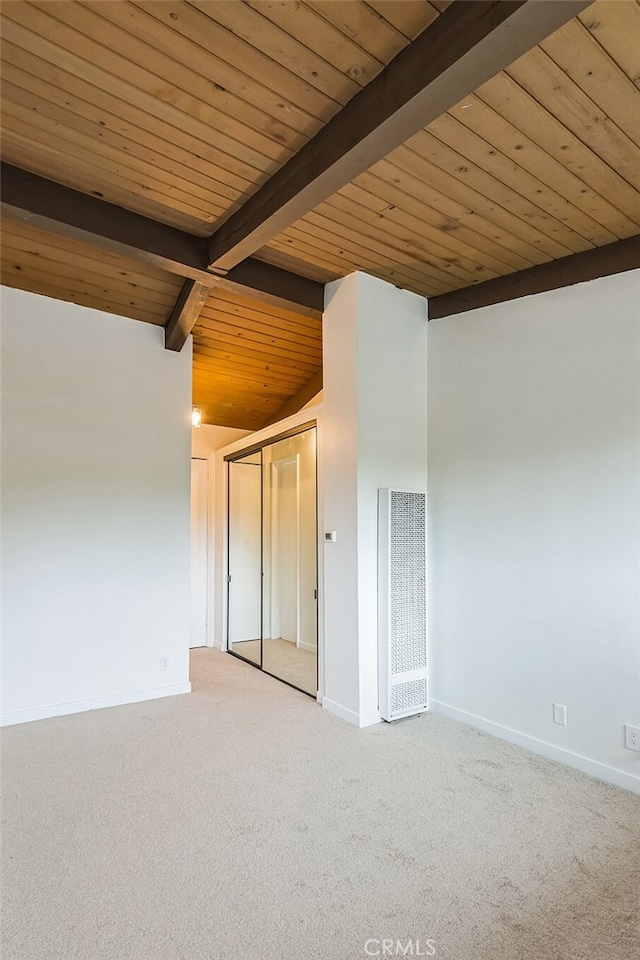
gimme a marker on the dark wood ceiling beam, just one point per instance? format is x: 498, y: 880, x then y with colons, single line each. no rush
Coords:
x: 276, y: 286
x: 577, y: 268
x: 467, y: 45
x: 190, y: 302
x: 50, y: 206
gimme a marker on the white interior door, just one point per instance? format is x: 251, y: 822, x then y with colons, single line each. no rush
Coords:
x: 308, y: 546
x: 245, y: 556
x: 286, y: 563
x: 199, y: 553
x: 289, y: 649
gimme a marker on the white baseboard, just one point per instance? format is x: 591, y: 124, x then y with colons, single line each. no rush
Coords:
x: 356, y: 719
x: 11, y: 717
x: 339, y: 711
x: 311, y: 647
x: 370, y: 718
x: 601, y: 771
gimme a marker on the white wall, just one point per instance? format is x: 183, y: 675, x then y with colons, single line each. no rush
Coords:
x: 534, y: 524
x: 95, y: 509
x: 375, y: 435
x: 205, y: 440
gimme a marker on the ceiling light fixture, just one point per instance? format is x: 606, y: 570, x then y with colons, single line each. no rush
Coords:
x: 196, y: 417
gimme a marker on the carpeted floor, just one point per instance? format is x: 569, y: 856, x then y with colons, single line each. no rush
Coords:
x: 243, y: 822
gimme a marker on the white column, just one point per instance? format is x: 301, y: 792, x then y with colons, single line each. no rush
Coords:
x: 374, y: 435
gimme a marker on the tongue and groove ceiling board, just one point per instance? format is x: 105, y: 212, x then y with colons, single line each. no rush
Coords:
x: 120, y: 99
x: 34, y: 260
x: 181, y: 111
x: 249, y: 359
x: 540, y: 162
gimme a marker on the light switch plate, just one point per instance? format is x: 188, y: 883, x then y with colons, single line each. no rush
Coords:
x: 560, y: 714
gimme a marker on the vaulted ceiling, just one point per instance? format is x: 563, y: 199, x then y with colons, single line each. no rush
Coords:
x: 214, y: 153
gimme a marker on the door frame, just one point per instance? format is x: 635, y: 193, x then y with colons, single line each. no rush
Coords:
x: 227, y: 593
x: 208, y: 593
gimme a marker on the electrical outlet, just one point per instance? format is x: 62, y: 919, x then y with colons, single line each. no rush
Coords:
x: 560, y: 714
x: 632, y: 737
x: 164, y: 664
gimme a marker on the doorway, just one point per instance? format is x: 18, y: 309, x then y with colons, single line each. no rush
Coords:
x: 199, y: 606
x: 272, y: 617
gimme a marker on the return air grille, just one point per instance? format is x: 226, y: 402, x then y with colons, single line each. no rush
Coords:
x: 405, y: 697
x: 402, y: 614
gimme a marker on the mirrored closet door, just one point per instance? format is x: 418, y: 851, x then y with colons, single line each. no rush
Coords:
x: 245, y: 564
x: 272, y: 576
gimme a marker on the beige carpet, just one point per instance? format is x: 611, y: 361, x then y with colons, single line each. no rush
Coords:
x: 243, y: 823
x: 284, y: 660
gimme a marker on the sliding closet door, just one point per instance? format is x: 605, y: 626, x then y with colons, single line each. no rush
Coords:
x: 245, y: 557
x: 289, y: 582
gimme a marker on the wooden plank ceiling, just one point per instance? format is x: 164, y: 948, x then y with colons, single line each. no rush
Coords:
x: 180, y: 111
x: 541, y: 162
x: 34, y: 260
x: 250, y: 358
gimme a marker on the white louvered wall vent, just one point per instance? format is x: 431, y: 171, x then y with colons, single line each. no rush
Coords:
x: 402, y: 602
